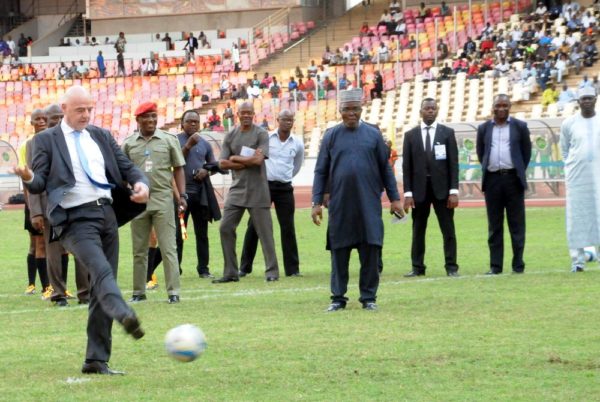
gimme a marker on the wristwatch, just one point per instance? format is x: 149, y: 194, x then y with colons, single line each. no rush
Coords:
x: 316, y: 204
x: 184, y: 195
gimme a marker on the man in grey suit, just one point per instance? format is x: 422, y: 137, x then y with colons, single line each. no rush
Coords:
x: 82, y: 169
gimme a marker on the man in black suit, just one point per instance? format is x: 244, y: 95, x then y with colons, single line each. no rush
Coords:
x: 430, y: 174
x: 83, y: 170
x: 504, y: 151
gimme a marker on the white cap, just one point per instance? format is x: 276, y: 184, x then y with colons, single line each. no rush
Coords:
x: 586, y: 91
x: 351, y: 95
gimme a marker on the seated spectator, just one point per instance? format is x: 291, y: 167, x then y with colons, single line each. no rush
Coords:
x: 363, y: 55
x: 73, y: 71
x: 309, y: 84
x: 185, y: 95
x: 590, y: 53
x: 404, y: 42
x: 473, y: 71
x: 153, y: 67
x: 343, y: 83
x: 501, y: 69
x: 312, y: 69
x: 94, y: 42
x: 566, y: 96
x: 394, y: 7
x: 327, y: 56
x: 275, y: 91
x: 29, y: 72
x: 143, y: 68
x: 585, y: 83
x: 266, y: 81
x: 428, y: 75
x: 529, y: 87
x: 541, y: 10
x: 224, y: 85
x: 364, y: 29
x: 347, y: 55
x: 323, y: 71
x: 214, y: 119
x: 487, y: 64
x: 487, y: 31
x: 254, y: 91
x: 543, y: 75
x: 298, y: 73
x: 77, y: 43
x: 486, y: 45
x: 424, y: 12
x: 83, y: 70
x: 445, y: 72
x: 412, y: 43
x: 107, y: 41
x: 63, y: 71
x: 400, y: 27
x: 337, y: 58
x: 442, y: 49
x: 382, y: 55
x: 576, y: 57
x: 550, y: 95
x: 460, y: 65
x: 328, y: 85
x: 560, y: 67
x: 445, y: 10
x: 385, y: 19
x: 241, y: 92
x: 255, y: 81
x: 195, y: 91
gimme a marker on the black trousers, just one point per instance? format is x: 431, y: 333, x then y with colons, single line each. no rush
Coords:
x: 445, y: 217
x: 92, y: 237
x: 368, y: 282
x: 504, y: 192
x: 200, y: 217
x: 282, y: 196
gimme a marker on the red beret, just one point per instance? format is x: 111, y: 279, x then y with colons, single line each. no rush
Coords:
x: 145, y: 107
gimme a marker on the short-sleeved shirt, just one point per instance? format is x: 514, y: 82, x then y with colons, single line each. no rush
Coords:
x: 156, y: 157
x: 249, y: 188
x: 198, y: 156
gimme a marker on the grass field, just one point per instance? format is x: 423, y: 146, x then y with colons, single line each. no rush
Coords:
x: 532, y: 337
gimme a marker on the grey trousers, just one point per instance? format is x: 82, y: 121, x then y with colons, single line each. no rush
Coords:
x: 54, y: 253
x: 92, y: 236
x: 261, y: 219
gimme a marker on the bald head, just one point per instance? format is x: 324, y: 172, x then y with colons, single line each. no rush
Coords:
x: 39, y: 121
x: 285, y: 120
x: 246, y: 115
x: 54, y: 114
x: 77, y: 107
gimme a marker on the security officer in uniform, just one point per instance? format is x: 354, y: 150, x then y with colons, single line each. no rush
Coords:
x: 159, y: 156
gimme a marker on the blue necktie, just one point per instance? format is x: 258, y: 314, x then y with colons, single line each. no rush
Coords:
x: 84, y: 163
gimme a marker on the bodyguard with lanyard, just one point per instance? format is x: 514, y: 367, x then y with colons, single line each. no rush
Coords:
x: 286, y: 155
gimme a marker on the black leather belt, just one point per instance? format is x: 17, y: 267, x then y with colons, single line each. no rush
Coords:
x: 505, y: 171
x: 96, y: 203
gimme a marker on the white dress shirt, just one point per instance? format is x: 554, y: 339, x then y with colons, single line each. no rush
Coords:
x: 432, y: 129
x: 84, y: 191
x: 285, y: 158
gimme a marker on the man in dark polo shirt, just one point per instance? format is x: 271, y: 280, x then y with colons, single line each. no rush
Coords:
x: 245, y: 149
x: 202, y: 203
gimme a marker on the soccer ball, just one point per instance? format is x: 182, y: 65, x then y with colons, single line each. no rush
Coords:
x: 590, y: 254
x: 185, y: 342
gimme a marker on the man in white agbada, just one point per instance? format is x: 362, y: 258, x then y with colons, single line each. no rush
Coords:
x: 580, y: 147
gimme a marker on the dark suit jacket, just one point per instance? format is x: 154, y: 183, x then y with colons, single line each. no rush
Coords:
x: 520, y: 148
x: 444, y: 173
x: 53, y: 173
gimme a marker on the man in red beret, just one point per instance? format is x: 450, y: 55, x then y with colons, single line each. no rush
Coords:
x: 159, y: 156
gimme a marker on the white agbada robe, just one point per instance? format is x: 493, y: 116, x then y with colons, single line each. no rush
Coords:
x: 580, y: 147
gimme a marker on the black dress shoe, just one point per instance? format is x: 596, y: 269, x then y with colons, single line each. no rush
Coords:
x: 490, y: 272
x: 371, y: 306
x: 518, y: 272
x: 272, y: 279
x: 295, y: 274
x: 241, y: 274
x: 412, y: 274
x: 206, y: 275
x: 453, y: 274
x: 225, y: 280
x: 173, y: 299
x: 61, y: 302
x: 137, y: 298
x: 335, y: 306
x: 96, y: 367
x: 132, y: 326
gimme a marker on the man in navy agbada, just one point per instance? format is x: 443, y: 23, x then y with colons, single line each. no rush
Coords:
x: 353, y: 168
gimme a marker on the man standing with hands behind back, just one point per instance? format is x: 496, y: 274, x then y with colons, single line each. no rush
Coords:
x: 504, y: 151
x: 78, y: 165
x: 159, y: 155
x: 430, y: 172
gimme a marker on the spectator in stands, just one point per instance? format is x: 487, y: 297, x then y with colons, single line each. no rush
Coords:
x: 275, y: 91
x: 486, y: 45
x: 22, y: 43
x: 214, y: 119
x: 343, y: 82
x: 550, y: 95
x: 424, y: 12
x: 29, y: 72
x: 394, y: 7
x: 65, y: 42
x: 168, y: 41
x: 266, y: 81
x: 445, y: 72
x: 72, y: 71
x: 473, y: 71
x: 255, y: 81
x: 15, y: 62
x: 383, y: 54
x: 185, y: 95
x: 501, y: 69
x: 576, y: 57
x: 385, y: 19
x: 204, y: 44
x: 77, y: 43
x: 445, y: 10
x: 224, y: 86
x: 585, y: 82
x: 265, y: 124
x: 228, y: 117
x: 560, y: 67
x: 312, y: 69
x: 460, y: 65
x: 363, y: 55
x: 488, y: 30
x: 4, y: 50
x: 12, y: 46
x: 83, y: 70
x: 195, y: 91
x: 153, y: 67
x: 346, y: 56
x: 487, y: 63
x: 254, y: 91
x: 292, y: 86
x: 94, y: 42
x: 400, y: 28
x: 590, y: 52
x: 63, y: 71
x: 364, y: 29
x: 120, y: 43
x: 327, y: 55
x: 143, y: 67
x: 412, y: 43
x: 543, y: 75
x: 596, y: 84
x: 107, y: 41
x: 442, y: 49
x: 235, y: 57
x: 121, y: 65
x: 377, y: 86
x: 310, y: 84
x: 566, y: 96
